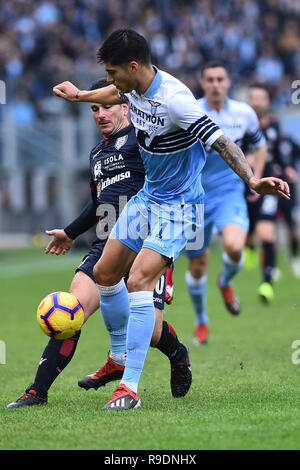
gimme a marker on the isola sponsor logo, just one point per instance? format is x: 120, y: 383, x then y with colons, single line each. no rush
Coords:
x: 152, y: 118
x: 115, y: 179
x: 113, y: 159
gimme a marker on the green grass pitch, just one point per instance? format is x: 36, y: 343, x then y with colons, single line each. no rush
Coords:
x: 245, y: 391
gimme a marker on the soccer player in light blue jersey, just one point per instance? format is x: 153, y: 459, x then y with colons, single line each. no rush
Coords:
x: 165, y: 214
x: 225, y: 203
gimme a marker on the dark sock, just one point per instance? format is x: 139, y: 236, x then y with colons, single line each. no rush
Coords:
x: 268, y: 261
x: 56, y: 356
x: 169, y: 344
x: 294, y: 247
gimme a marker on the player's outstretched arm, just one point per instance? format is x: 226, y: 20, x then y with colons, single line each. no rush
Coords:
x: 60, y: 243
x: 235, y: 158
x: 107, y: 95
x: 63, y: 239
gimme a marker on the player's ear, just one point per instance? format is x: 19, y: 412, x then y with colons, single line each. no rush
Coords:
x: 134, y: 66
x: 125, y: 108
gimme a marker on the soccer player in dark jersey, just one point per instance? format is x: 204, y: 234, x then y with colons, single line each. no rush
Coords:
x: 263, y: 210
x: 290, y: 152
x: 117, y: 173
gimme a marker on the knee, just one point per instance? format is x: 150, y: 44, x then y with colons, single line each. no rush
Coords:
x: 234, y: 251
x: 198, y: 266
x: 104, y: 277
x: 136, y: 282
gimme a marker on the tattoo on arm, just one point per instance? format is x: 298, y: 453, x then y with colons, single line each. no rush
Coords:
x: 234, y: 157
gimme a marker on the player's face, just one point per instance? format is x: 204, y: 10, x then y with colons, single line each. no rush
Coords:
x: 215, y: 83
x: 259, y: 100
x: 110, y: 118
x: 122, y: 76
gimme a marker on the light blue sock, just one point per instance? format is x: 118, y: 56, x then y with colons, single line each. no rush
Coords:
x: 114, y: 305
x: 139, y: 332
x: 197, y: 290
x: 230, y: 269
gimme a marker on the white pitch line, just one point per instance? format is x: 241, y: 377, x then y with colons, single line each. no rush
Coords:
x: 39, y: 266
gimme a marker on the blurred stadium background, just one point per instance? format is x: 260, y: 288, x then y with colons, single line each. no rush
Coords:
x: 45, y: 142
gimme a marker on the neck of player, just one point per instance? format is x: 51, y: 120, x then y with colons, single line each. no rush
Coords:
x: 146, y: 77
x: 216, y: 105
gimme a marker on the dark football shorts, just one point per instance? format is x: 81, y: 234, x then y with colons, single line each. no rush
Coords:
x: 286, y: 207
x: 89, y: 261
x: 264, y: 208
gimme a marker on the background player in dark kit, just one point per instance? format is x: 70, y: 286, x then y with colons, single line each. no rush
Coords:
x: 263, y: 210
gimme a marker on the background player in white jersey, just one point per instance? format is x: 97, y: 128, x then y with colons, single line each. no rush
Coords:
x: 169, y: 124
x: 225, y: 206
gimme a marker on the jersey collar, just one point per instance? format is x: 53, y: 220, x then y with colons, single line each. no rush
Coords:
x: 208, y: 108
x: 120, y: 133
x: 156, y: 82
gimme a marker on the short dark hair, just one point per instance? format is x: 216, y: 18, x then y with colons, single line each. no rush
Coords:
x: 213, y: 64
x: 263, y: 86
x: 101, y: 83
x: 123, y: 46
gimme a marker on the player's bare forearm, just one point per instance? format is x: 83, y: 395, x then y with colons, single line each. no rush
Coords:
x: 106, y: 96
x: 234, y: 157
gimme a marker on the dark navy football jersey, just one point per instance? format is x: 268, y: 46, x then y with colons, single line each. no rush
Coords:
x: 276, y: 160
x: 116, y: 167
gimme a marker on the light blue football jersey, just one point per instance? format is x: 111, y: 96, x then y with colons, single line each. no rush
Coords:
x: 239, y: 122
x: 169, y: 123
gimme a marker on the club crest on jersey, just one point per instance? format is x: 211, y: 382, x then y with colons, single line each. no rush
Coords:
x: 97, y: 170
x: 154, y: 106
x: 121, y: 141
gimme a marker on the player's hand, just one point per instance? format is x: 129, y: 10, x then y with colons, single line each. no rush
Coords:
x: 66, y: 90
x: 270, y: 185
x: 60, y: 243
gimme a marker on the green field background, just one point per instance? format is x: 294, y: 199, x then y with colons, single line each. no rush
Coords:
x: 245, y: 391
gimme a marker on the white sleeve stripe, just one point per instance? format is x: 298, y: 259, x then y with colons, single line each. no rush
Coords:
x: 214, y: 137
x: 183, y: 138
x: 198, y: 124
x: 202, y: 130
x: 207, y: 129
x: 205, y: 135
x: 175, y: 136
x: 203, y: 127
x: 177, y: 145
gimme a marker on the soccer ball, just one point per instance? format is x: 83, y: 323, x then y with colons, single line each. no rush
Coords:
x: 60, y: 315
